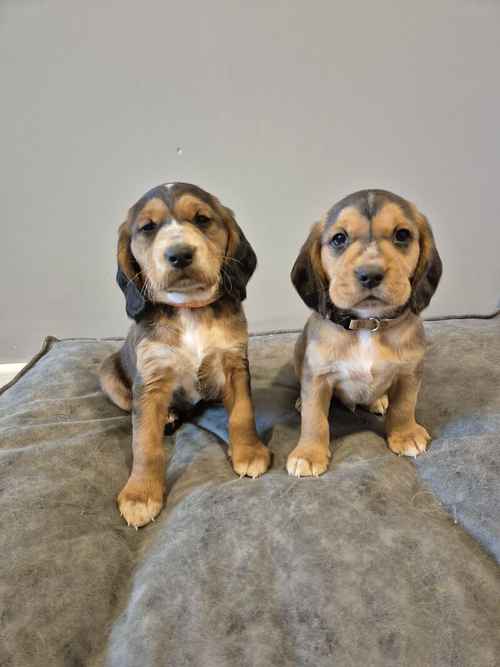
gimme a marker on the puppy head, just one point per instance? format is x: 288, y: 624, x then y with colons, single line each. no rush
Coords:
x: 372, y: 254
x: 181, y: 246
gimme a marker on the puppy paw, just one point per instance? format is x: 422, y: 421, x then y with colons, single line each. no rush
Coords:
x: 298, y: 405
x: 308, y: 461
x: 379, y: 407
x: 250, y: 460
x: 172, y: 417
x: 412, y: 442
x: 139, y: 503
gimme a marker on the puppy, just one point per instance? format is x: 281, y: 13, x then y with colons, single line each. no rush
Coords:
x: 367, y: 269
x: 183, y: 265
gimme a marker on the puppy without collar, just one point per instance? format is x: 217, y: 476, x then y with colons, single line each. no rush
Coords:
x: 183, y: 265
x: 367, y: 269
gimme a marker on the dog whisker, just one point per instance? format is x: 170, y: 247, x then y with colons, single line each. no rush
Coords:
x: 225, y: 276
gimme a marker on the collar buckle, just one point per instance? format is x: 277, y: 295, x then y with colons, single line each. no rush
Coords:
x: 357, y: 325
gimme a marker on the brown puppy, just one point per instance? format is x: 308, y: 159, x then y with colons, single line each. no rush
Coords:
x: 367, y: 270
x: 183, y: 264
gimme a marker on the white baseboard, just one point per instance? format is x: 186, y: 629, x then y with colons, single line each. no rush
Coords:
x: 9, y: 371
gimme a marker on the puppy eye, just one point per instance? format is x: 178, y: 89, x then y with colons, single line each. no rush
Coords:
x: 402, y: 236
x: 339, y: 240
x: 148, y: 227
x: 200, y: 219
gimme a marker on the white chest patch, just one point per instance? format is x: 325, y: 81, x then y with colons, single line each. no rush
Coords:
x: 359, y: 366
x: 366, y: 375
x: 362, y: 376
x: 194, y: 341
x: 198, y: 340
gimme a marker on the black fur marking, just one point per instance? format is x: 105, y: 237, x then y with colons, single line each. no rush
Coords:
x: 135, y: 303
x: 237, y: 270
x: 309, y: 286
x: 361, y: 201
x: 424, y: 289
x: 170, y: 195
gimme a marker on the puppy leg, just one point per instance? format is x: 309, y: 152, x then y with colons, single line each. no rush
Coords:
x: 249, y: 456
x: 404, y: 435
x: 141, y: 499
x: 114, y: 383
x: 312, y: 454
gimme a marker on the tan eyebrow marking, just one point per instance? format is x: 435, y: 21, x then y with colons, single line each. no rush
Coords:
x: 388, y: 218
x: 188, y: 205
x: 155, y: 208
x: 354, y: 222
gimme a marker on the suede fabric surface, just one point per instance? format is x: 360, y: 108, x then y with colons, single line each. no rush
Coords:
x: 381, y: 561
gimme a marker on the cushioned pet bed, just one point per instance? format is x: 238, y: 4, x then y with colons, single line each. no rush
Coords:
x: 381, y: 561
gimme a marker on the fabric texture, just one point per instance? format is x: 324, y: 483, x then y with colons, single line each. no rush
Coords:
x: 381, y: 561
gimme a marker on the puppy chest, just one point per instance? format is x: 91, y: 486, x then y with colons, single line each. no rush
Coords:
x: 192, y: 351
x: 198, y: 341
x: 201, y: 353
x: 365, y: 372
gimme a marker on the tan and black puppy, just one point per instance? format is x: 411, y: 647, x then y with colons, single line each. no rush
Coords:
x: 367, y: 270
x: 183, y: 265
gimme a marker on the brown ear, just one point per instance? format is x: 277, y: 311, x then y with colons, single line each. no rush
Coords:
x: 240, y: 261
x: 429, y: 268
x: 128, y: 274
x: 308, y: 276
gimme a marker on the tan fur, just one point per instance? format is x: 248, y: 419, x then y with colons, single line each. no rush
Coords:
x: 174, y: 357
x: 155, y: 209
x: 114, y: 384
x: 187, y: 205
x: 379, y: 370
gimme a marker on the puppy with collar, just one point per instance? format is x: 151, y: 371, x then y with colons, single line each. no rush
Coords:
x: 367, y: 270
x: 183, y: 265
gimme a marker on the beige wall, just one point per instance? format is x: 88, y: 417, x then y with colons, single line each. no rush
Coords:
x: 279, y: 107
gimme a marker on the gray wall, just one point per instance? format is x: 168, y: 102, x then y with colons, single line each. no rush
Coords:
x: 279, y: 107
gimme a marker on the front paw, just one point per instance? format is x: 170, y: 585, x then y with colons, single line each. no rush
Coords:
x: 140, y: 501
x: 411, y: 442
x: 379, y: 407
x: 308, y: 461
x: 250, y: 460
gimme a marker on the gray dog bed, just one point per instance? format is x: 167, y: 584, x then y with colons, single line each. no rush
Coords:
x: 381, y: 561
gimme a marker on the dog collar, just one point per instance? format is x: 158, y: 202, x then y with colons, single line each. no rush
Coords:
x: 370, y: 324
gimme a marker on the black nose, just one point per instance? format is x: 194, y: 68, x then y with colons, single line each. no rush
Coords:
x: 180, y: 255
x: 369, y: 276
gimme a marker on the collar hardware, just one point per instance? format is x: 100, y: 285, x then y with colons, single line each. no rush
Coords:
x: 370, y: 324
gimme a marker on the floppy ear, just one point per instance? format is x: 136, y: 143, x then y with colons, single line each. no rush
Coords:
x: 429, y: 268
x: 128, y: 274
x: 308, y: 276
x: 240, y: 261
